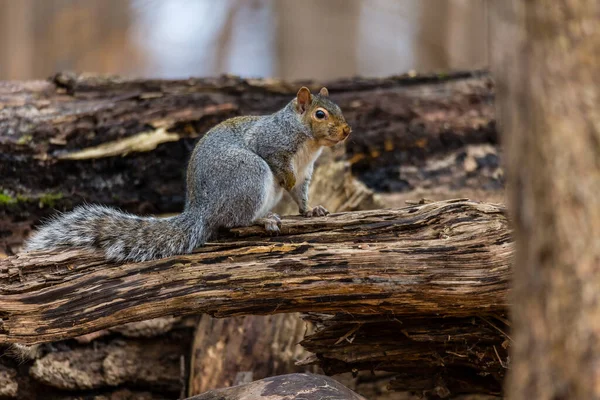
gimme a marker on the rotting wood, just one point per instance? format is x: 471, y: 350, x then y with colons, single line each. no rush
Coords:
x: 449, y: 257
x: 430, y: 355
x: 153, y: 365
x: 253, y: 347
x: 144, y: 356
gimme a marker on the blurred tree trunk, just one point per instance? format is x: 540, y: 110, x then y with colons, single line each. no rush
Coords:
x: 316, y: 38
x: 39, y: 37
x: 548, y: 59
x: 432, y: 34
x: 451, y: 34
x: 467, y: 41
x: 16, y: 49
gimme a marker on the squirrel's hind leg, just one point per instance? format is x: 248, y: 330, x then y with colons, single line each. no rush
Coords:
x: 271, y: 222
x: 242, y: 196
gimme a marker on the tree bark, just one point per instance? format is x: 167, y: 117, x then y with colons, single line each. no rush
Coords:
x: 145, y: 360
x: 232, y: 351
x: 449, y: 257
x: 547, y: 61
x: 431, y: 355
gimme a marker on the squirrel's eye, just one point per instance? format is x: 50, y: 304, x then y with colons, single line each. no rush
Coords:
x: 320, y: 114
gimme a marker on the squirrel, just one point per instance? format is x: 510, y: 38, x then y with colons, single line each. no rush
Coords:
x: 236, y: 174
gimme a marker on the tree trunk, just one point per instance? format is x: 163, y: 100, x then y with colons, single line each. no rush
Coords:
x: 232, y: 351
x: 547, y: 61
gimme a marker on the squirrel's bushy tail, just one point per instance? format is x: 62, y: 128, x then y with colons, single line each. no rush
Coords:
x: 121, y: 235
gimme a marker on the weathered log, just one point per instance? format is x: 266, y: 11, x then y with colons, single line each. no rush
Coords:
x: 125, y: 142
x: 431, y: 355
x: 448, y: 257
x: 149, y: 357
x: 432, y: 369
x: 285, y: 387
x: 473, y: 171
x: 113, y: 364
x: 409, y: 126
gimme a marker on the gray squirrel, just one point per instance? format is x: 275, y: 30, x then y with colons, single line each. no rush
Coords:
x: 237, y: 173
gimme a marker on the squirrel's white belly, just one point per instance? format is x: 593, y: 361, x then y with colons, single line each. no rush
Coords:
x: 304, y: 160
x: 273, y: 192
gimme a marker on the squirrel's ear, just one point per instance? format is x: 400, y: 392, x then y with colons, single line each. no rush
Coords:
x: 303, y: 99
x: 324, y: 92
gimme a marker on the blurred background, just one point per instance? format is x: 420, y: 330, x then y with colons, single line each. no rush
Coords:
x: 290, y: 39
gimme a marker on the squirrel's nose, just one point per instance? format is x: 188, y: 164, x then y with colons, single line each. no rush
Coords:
x: 346, y: 131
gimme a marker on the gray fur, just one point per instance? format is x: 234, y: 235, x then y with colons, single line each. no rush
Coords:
x: 122, y: 236
x: 236, y: 174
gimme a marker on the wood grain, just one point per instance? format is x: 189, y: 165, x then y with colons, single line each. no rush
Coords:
x: 429, y: 354
x: 449, y: 257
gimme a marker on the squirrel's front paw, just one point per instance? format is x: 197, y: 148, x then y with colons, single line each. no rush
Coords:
x: 318, y: 211
x: 271, y: 222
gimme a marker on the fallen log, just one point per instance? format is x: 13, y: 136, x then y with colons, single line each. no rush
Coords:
x: 473, y: 171
x: 449, y: 258
x: 154, y: 365
x: 148, y: 357
x: 432, y: 355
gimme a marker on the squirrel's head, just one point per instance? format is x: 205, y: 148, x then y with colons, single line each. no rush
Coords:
x: 322, y: 116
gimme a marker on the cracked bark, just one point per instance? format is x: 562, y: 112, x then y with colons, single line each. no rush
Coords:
x: 406, y: 267
x: 448, y: 257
